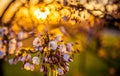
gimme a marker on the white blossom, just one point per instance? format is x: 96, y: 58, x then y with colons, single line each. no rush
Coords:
x: 12, y: 41
x: 27, y: 66
x: 42, y: 69
x: 11, y: 61
x: 11, y: 49
x: 23, y: 58
x: 36, y: 60
x: 36, y: 48
x: 58, y: 38
x: 53, y: 45
x: 19, y: 44
x: 62, y: 48
x: 46, y: 59
x: 25, y: 35
x: 40, y: 49
x: 12, y: 46
x: 22, y: 35
x: 37, y: 42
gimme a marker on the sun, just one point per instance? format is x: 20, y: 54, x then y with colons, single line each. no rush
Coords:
x: 40, y: 14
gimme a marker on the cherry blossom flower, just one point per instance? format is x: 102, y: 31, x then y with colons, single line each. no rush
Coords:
x: 62, y: 48
x: 46, y: 59
x: 12, y: 46
x: 40, y: 49
x: 12, y: 41
x: 23, y: 58
x: 11, y: 61
x: 22, y: 35
x: 27, y: 66
x: 37, y: 42
x: 19, y: 44
x: 53, y: 45
x: 58, y: 38
x: 28, y: 57
x: 36, y: 60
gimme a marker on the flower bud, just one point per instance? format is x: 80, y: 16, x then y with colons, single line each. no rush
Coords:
x: 67, y: 68
x: 28, y: 57
x: 60, y: 71
x: 42, y: 69
x: 70, y: 60
x: 23, y: 59
x: 66, y: 57
x: 69, y: 47
x: 40, y: 49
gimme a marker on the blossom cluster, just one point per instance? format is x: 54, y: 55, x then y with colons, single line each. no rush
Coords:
x: 49, y: 52
x: 54, y: 52
x: 10, y: 42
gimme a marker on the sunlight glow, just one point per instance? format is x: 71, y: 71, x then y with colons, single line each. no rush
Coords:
x: 41, y: 15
